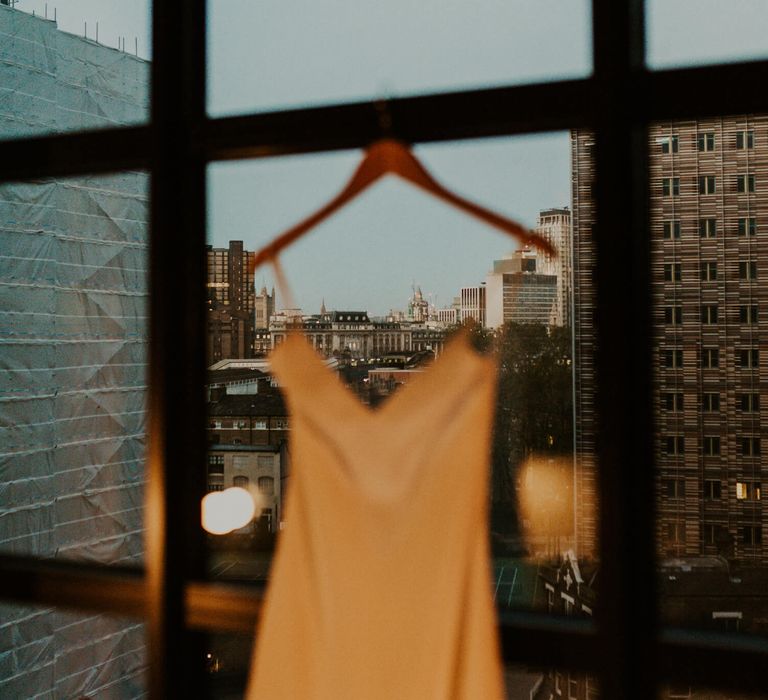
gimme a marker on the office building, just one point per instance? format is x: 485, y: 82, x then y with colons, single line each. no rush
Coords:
x: 232, y: 303
x: 517, y: 292
x: 264, y: 308
x: 472, y: 304
x: 709, y: 245
x: 555, y: 226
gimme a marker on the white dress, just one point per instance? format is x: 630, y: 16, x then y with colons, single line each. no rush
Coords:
x: 380, y: 586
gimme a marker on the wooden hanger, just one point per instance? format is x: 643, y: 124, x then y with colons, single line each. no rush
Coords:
x: 388, y: 156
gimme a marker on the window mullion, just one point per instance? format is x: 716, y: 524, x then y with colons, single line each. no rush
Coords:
x: 176, y: 452
x: 627, y: 614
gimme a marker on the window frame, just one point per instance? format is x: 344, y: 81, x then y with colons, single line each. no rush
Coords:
x: 622, y: 645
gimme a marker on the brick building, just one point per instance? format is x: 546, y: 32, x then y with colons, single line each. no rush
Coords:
x: 709, y: 244
x: 231, y: 303
x: 248, y: 441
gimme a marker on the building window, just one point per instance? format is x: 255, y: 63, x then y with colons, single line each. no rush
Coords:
x: 215, y: 464
x: 674, y: 488
x: 745, y: 183
x: 708, y: 271
x: 673, y: 358
x: 675, y: 533
x: 709, y: 314
x: 747, y: 270
x: 240, y: 481
x: 710, y: 401
x: 673, y: 401
x: 669, y: 144
x: 707, y: 228
x: 706, y: 142
x: 672, y: 272
x: 710, y: 358
x: 266, y: 485
x: 711, y: 445
x: 712, y: 533
x: 750, y: 446
x: 748, y: 314
x: 747, y: 226
x: 675, y: 445
x: 751, y: 535
x: 671, y: 229
x: 280, y: 424
x: 670, y: 186
x: 706, y: 184
x: 713, y: 489
x: 749, y: 358
x: 265, y: 461
x: 748, y: 490
x: 260, y: 424
x: 745, y: 139
x: 573, y: 688
x: 749, y: 402
x: 673, y: 315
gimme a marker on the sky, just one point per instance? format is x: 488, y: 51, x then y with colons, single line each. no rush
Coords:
x: 272, y: 55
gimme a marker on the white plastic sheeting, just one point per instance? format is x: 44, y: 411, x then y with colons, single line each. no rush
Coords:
x: 51, y: 81
x: 73, y: 349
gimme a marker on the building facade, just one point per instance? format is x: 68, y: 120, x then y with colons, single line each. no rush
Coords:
x: 709, y: 246
x: 555, y: 226
x: 264, y: 308
x: 74, y: 336
x: 517, y: 292
x: 231, y: 303
x: 472, y: 304
x: 248, y: 428
x: 354, y: 334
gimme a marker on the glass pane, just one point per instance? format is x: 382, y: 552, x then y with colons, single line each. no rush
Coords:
x: 73, y: 66
x: 710, y: 292
x: 73, y: 349
x: 690, y: 32
x: 47, y: 653
x: 379, y: 290
x: 301, y: 53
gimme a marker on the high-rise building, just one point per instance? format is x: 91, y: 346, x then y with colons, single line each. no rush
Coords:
x: 709, y: 245
x: 555, y: 226
x: 231, y: 303
x: 472, y: 304
x: 517, y: 292
x: 264, y: 307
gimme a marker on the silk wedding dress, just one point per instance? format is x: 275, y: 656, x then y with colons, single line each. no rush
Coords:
x: 380, y: 586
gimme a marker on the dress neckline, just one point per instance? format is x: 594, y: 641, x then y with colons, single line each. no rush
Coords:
x: 458, y: 349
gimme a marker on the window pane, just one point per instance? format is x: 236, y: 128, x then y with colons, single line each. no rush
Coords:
x: 309, y: 52
x: 57, y: 654
x: 379, y: 289
x: 73, y: 349
x: 690, y: 32
x: 83, y: 65
x: 710, y: 536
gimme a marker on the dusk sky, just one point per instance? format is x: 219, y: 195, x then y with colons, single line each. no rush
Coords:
x: 267, y: 55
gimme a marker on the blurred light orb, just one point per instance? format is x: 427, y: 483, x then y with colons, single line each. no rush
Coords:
x: 228, y: 510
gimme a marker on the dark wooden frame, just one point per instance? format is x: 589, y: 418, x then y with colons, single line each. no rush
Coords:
x: 624, y: 645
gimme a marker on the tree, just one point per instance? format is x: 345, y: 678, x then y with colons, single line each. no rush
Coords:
x: 534, y: 411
